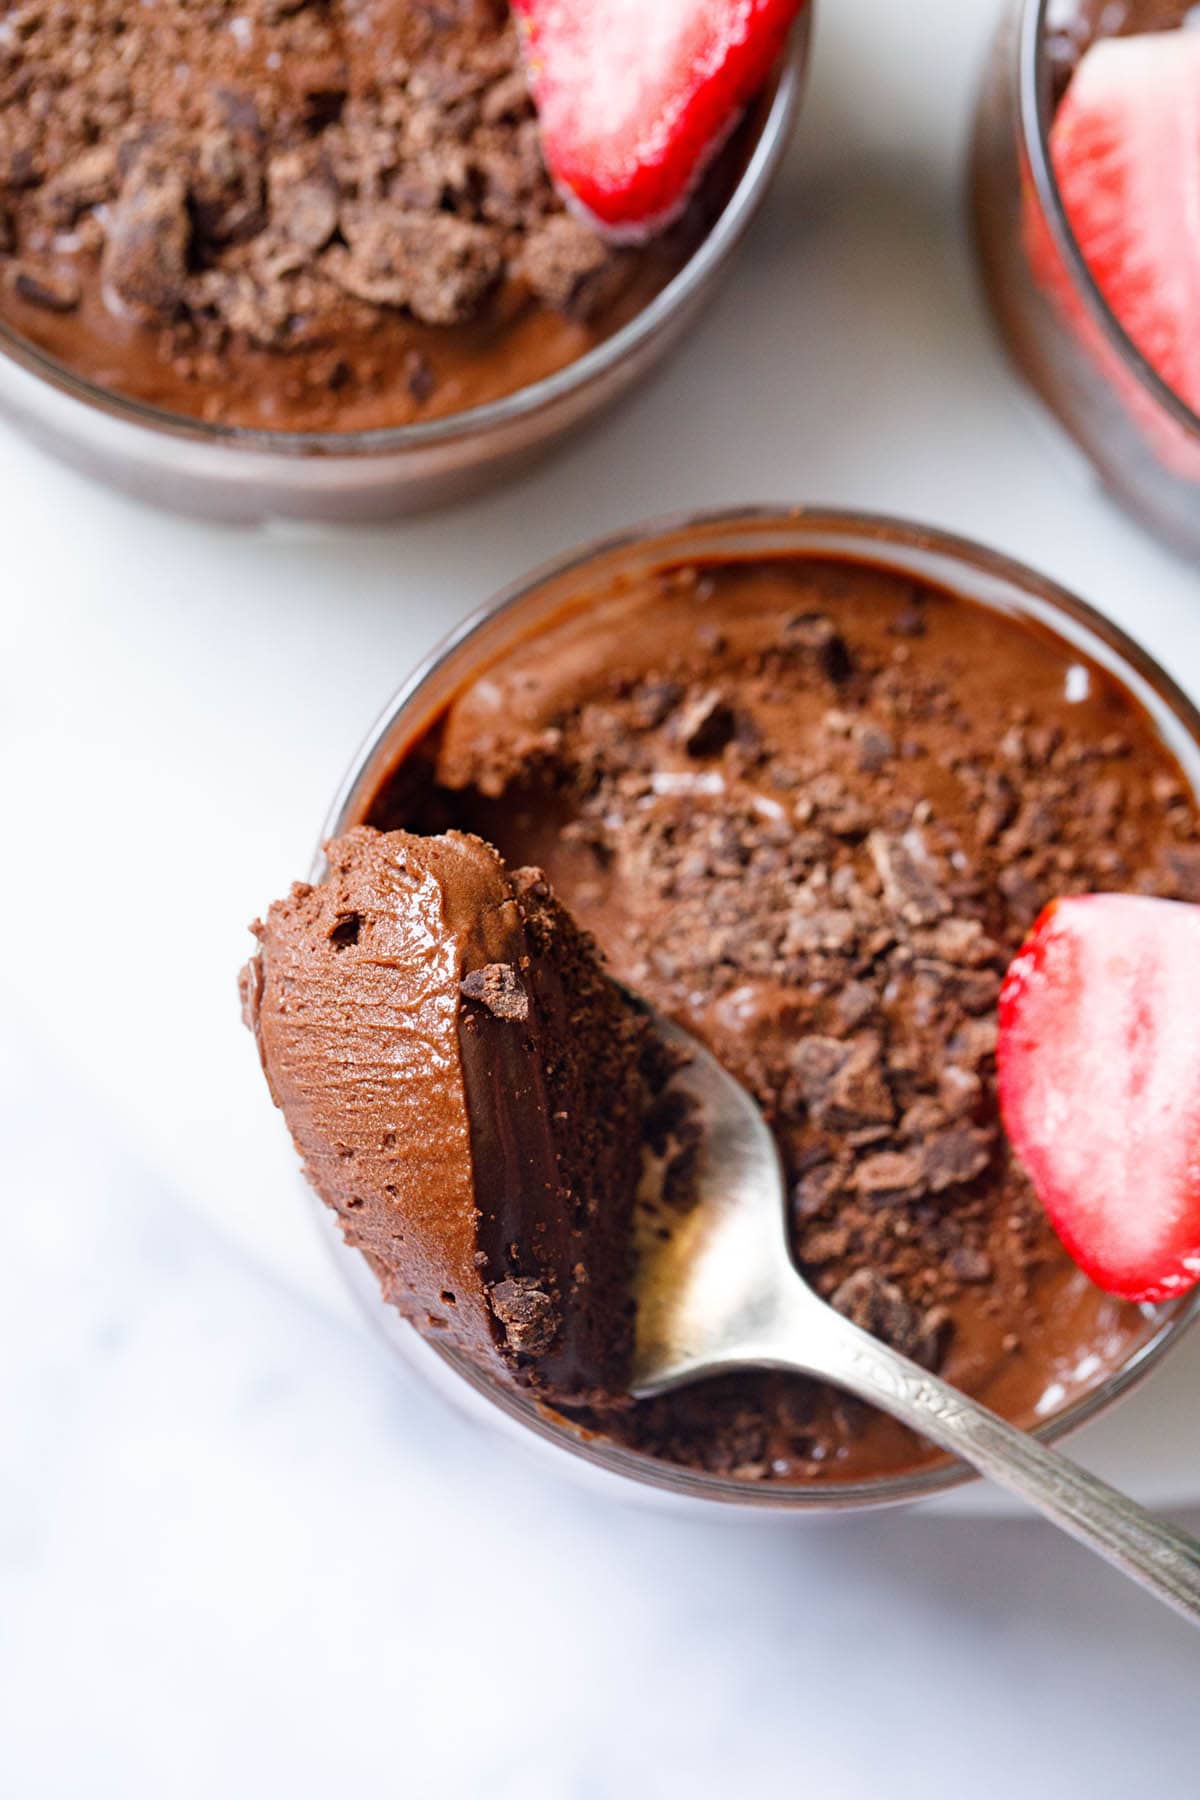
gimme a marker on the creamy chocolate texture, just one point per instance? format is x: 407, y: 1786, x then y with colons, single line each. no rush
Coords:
x: 809, y: 808
x: 317, y: 215
x: 470, y: 1093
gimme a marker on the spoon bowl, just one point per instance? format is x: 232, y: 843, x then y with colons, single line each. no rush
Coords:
x: 709, y: 1280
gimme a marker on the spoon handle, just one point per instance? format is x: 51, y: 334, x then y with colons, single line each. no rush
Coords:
x: 1161, y: 1558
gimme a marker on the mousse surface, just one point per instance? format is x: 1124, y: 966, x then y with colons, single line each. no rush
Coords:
x: 469, y: 1093
x: 307, y: 215
x: 810, y: 808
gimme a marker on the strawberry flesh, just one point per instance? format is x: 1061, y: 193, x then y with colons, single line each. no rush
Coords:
x: 1099, y: 1078
x: 635, y: 96
x: 1125, y: 146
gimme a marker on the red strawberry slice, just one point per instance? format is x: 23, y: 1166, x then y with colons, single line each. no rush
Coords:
x: 1125, y: 145
x: 635, y: 96
x: 1099, y: 1064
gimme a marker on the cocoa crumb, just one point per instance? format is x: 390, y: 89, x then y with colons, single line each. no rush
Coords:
x: 908, y: 886
x: 878, y: 1306
x: 527, y: 1314
x: 811, y: 1194
x: 419, y: 376
x: 52, y: 289
x: 890, y: 1176
x: 876, y: 747
x: 438, y: 266
x: 828, y: 1245
x: 86, y: 182
x: 841, y: 1082
x: 910, y: 623
x: 956, y: 1156
x: 817, y: 638
x: 569, y: 267
x: 704, y: 724
x: 972, y: 1266
x: 855, y: 1004
x: 498, y: 987
x: 304, y: 199
x: 144, y: 265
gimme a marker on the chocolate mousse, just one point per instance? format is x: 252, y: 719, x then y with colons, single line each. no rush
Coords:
x: 469, y: 1093
x: 308, y: 215
x: 810, y: 808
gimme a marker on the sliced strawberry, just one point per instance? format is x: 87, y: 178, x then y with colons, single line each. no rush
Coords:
x: 1125, y: 145
x: 635, y: 96
x: 1099, y: 1064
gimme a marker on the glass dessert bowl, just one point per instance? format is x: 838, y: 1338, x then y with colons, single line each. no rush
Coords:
x: 881, y: 582
x: 1058, y: 326
x: 371, y: 316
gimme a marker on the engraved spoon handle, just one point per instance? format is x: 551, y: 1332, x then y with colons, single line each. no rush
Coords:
x: 1162, y: 1559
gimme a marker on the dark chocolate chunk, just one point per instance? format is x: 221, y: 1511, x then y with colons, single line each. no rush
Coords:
x: 569, y: 267
x: 955, y: 1156
x: 704, y: 724
x: 498, y: 987
x: 54, y: 290
x: 842, y: 1082
x: 419, y: 377
x: 438, y: 266
x: 908, y: 886
x: 890, y: 1176
x: 880, y: 1307
x: 304, y: 199
x: 527, y: 1314
x: 145, y: 254
x: 876, y: 747
x: 970, y: 1266
x: 818, y: 638
x: 87, y: 181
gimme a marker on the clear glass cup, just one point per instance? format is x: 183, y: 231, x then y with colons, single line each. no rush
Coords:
x: 981, y: 575
x: 242, y: 476
x: 1060, y: 331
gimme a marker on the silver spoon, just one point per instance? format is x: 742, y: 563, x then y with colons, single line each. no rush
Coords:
x: 719, y: 1291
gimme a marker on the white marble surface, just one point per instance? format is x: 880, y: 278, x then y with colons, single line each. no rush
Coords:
x: 239, y: 1557
x: 240, y: 1552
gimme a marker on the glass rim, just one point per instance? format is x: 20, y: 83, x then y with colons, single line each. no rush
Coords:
x: 868, y: 532
x: 784, y: 87
x: 1036, y: 120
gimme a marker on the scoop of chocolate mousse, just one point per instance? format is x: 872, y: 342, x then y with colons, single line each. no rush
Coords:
x: 467, y: 1089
